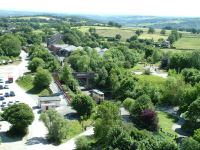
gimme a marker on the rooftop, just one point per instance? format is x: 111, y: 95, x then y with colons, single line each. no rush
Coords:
x: 49, y: 98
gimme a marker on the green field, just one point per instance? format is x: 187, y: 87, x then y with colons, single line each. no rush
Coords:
x: 188, y: 43
x: 125, y: 32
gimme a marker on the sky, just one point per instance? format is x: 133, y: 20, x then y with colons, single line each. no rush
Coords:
x: 188, y: 8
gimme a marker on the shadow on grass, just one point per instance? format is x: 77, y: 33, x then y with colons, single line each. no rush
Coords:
x: 35, y: 90
x: 5, y: 138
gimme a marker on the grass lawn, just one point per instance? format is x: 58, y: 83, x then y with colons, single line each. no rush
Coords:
x: 188, y: 43
x: 26, y: 82
x: 138, y: 67
x: 166, y: 122
x: 151, y: 79
x: 74, y: 129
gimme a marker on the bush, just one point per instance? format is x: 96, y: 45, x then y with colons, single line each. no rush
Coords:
x: 83, y: 143
x: 149, y: 120
x: 127, y: 103
x: 147, y: 72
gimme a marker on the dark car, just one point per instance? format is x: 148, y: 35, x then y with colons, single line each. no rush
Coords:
x: 1, y: 87
x: 6, y: 94
x: 1, y: 80
x: 2, y: 98
x: 12, y: 93
x: 4, y: 103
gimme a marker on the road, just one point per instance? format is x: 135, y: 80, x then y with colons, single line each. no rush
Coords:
x: 36, y: 138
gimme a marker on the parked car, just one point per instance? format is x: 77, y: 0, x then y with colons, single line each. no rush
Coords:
x: 10, y: 103
x: 4, y: 103
x: 6, y: 94
x: 1, y: 93
x: 1, y: 87
x: 12, y: 93
x: 6, y: 86
x: 2, y: 98
x: 1, y: 80
x: 16, y: 102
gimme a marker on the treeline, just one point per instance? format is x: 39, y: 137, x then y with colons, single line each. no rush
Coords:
x: 192, y: 30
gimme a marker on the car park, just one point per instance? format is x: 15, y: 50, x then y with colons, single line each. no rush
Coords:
x: 2, y: 98
x: 12, y: 93
x: 6, y: 94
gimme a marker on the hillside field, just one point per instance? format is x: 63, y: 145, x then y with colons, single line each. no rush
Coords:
x: 126, y: 32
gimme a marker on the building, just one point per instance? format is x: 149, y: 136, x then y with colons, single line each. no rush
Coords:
x: 63, y: 49
x: 101, y: 51
x: 97, y: 95
x: 48, y: 102
x: 166, y: 44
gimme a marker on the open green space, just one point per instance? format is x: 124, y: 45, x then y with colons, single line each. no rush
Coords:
x: 188, y: 43
x: 166, y: 122
x: 151, y: 79
x: 126, y: 32
x: 26, y: 82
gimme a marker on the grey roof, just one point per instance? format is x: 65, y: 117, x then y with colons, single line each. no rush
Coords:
x: 97, y: 91
x: 49, y: 98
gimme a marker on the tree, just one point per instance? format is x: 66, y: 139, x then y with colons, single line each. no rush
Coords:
x: 138, y: 32
x: 68, y: 78
x: 56, y: 125
x: 35, y: 63
x: 149, y: 120
x: 42, y: 79
x: 83, y: 104
x: 118, y: 37
x: 143, y: 102
x: 196, y: 135
x: 118, y: 138
x: 193, y: 112
x: 107, y: 116
x: 151, y: 31
x: 189, y: 143
x: 171, y: 96
x: 20, y: 116
x: 168, y: 145
x: 163, y: 32
x: 191, y: 75
x: 10, y: 45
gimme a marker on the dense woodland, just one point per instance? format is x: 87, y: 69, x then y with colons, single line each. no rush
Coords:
x: 113, y: 75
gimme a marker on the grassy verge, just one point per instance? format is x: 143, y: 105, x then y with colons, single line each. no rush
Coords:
x: 26, y: 82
